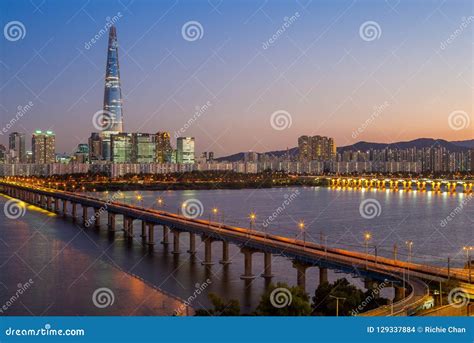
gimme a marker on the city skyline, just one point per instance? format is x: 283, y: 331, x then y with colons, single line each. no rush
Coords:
x: 214, y: 129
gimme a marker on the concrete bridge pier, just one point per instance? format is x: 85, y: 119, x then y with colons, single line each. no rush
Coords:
x: 165, y: 240
x: 207, y: 251
x: 64, y: 207
x: 225, y: 254
x: 84, y: 215
x: 151, y: 235
x: 301, y: 273
x: 143, y: 235
x: 267, y: 269
x: 56, y: 205
x: 111, y: 222
x: 176, y: 234
x: 74, y: 211
x: 247, y: 275
x: 323, y: 275
x: 128, y: 227
x: 42, y: 201
x: 97, y: 218
x: 192, y: 243
x: 48, y: 203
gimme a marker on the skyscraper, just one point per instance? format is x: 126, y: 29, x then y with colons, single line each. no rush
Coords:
x: 16, y: 146
x: 185, y: 147
x: 112, y: 114
x: 43, y: 145
x: 163, y: 147
x: 143, y: 148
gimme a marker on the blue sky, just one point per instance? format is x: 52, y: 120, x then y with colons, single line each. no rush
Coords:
x: 319, y: 71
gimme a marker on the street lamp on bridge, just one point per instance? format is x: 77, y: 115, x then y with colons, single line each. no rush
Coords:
x: 367, y: 238
x: 468, y: 250
x: 301, y: 226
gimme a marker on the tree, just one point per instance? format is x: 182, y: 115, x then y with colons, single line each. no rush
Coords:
x: 220, y: 307
x: 282, y: 300
x: 324, y: 304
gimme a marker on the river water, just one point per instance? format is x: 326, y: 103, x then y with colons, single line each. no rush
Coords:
x: 68, y: 263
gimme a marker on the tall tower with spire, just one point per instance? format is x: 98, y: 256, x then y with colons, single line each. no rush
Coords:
x: 113, y: 112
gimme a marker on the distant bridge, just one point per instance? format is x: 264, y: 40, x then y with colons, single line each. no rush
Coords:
x: 375, y: 269
x: 406, y: 184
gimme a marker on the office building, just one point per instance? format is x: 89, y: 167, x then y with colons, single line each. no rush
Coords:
x: 185, y: 150
x: 43, y: 145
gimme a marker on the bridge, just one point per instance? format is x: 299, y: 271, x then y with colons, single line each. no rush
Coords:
x: 406, y: 184
x: 407, y: 278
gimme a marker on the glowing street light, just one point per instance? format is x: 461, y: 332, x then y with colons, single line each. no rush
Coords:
x: 367, y: 238
x: 468, y: 250
x: 301, y: 226
x: 252, y: 218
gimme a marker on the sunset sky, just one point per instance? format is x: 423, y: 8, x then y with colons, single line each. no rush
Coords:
x: 322, y: 70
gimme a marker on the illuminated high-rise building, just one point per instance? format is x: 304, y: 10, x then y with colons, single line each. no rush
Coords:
x: 164, y: 150
x: 143, y: 148
x: 185, y: 150
x: 16, y: 146
x: 316, y: 148
x: 43, y: 145
x: 112, y: 112
x: 121, y: 147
